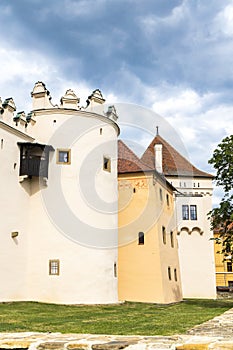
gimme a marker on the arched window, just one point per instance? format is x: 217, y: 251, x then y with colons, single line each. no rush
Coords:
x: 175, y: 275
x: 172, y: 239
x: 164, y: 234
x: 141, y: 238
x: 169, y: 273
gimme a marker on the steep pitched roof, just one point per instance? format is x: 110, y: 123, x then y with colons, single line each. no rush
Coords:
x: 173, y: 162
x: 128, y: 161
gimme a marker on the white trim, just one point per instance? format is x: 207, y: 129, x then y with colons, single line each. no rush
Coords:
x: 15, y: 131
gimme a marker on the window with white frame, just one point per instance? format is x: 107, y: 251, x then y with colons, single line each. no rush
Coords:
x: 189, y: 212
x: 193, y: 212
x: 185, y: 212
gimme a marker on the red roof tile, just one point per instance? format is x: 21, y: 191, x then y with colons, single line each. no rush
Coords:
x: 128, y: 161
x: 173, y: 162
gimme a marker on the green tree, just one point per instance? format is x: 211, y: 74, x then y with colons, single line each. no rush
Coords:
x: 222, y: 216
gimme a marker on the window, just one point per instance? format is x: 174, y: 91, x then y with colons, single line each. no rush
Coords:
x: 107, y: 164
x: 230, y: 284
x: 167, y: 198
x: 115, y: 269
x: 54, y: 267
x: 141, y: 238
x: 164, y: 234
x: 161, y: 194
x: 175, y: 275
x: 193, y: 212
x: 189, y: 212
x: 172, y: 239
x: 169, y: 273
x: 229, y: 267
x: 63, y: 156
x: 185, y: 212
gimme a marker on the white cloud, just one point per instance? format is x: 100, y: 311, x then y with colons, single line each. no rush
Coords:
x: 223, y: 22
x: 152, y: 23
x: 20, y: 70
x: 187, y: 101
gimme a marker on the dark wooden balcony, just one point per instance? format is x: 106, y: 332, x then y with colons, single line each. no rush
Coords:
x: 34, y: 159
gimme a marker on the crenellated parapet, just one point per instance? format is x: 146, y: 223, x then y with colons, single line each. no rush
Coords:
x: 70, y: 100
x: 9, y: 108
x: 41, y: 98
x: 41, y: 104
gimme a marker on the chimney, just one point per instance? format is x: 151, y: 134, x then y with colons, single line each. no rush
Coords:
x: 158, y: 158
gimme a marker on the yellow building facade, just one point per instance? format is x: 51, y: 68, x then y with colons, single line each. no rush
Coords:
x: 148, y: 265
x: 223, y: 266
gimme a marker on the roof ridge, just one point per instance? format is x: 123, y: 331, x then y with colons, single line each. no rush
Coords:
x: 174, y: 163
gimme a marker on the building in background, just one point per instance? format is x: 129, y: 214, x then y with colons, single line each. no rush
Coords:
x: 193, y: 202
x: 148, y: 263
x: 223, y: 265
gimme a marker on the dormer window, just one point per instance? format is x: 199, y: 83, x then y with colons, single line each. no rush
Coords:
x: 34, y: 159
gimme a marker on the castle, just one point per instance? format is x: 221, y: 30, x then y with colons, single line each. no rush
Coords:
x: 84, y: 220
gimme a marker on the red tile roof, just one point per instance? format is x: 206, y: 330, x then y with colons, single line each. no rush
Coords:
x: 173, y: 162
x: 128, y: 161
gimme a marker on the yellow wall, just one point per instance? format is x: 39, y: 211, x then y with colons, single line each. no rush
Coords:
x: 143, y: 269
x: 223, y: 277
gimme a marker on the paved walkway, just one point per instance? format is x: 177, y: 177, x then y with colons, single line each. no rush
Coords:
x: 215, y: 334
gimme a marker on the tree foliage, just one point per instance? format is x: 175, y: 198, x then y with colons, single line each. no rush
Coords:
x: 222, y: 217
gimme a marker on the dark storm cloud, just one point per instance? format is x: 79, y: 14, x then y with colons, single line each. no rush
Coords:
x: 155, y: 40
x: 174, y: 56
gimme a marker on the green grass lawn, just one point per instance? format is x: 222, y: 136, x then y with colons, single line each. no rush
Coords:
x: 123, y: 319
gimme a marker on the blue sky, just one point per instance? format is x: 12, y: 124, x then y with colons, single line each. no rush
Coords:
x: 173, y: 57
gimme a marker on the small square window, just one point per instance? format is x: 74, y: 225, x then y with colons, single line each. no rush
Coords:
x: 63, y: 156
x: 107, y: 164
x: 54, y: 267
